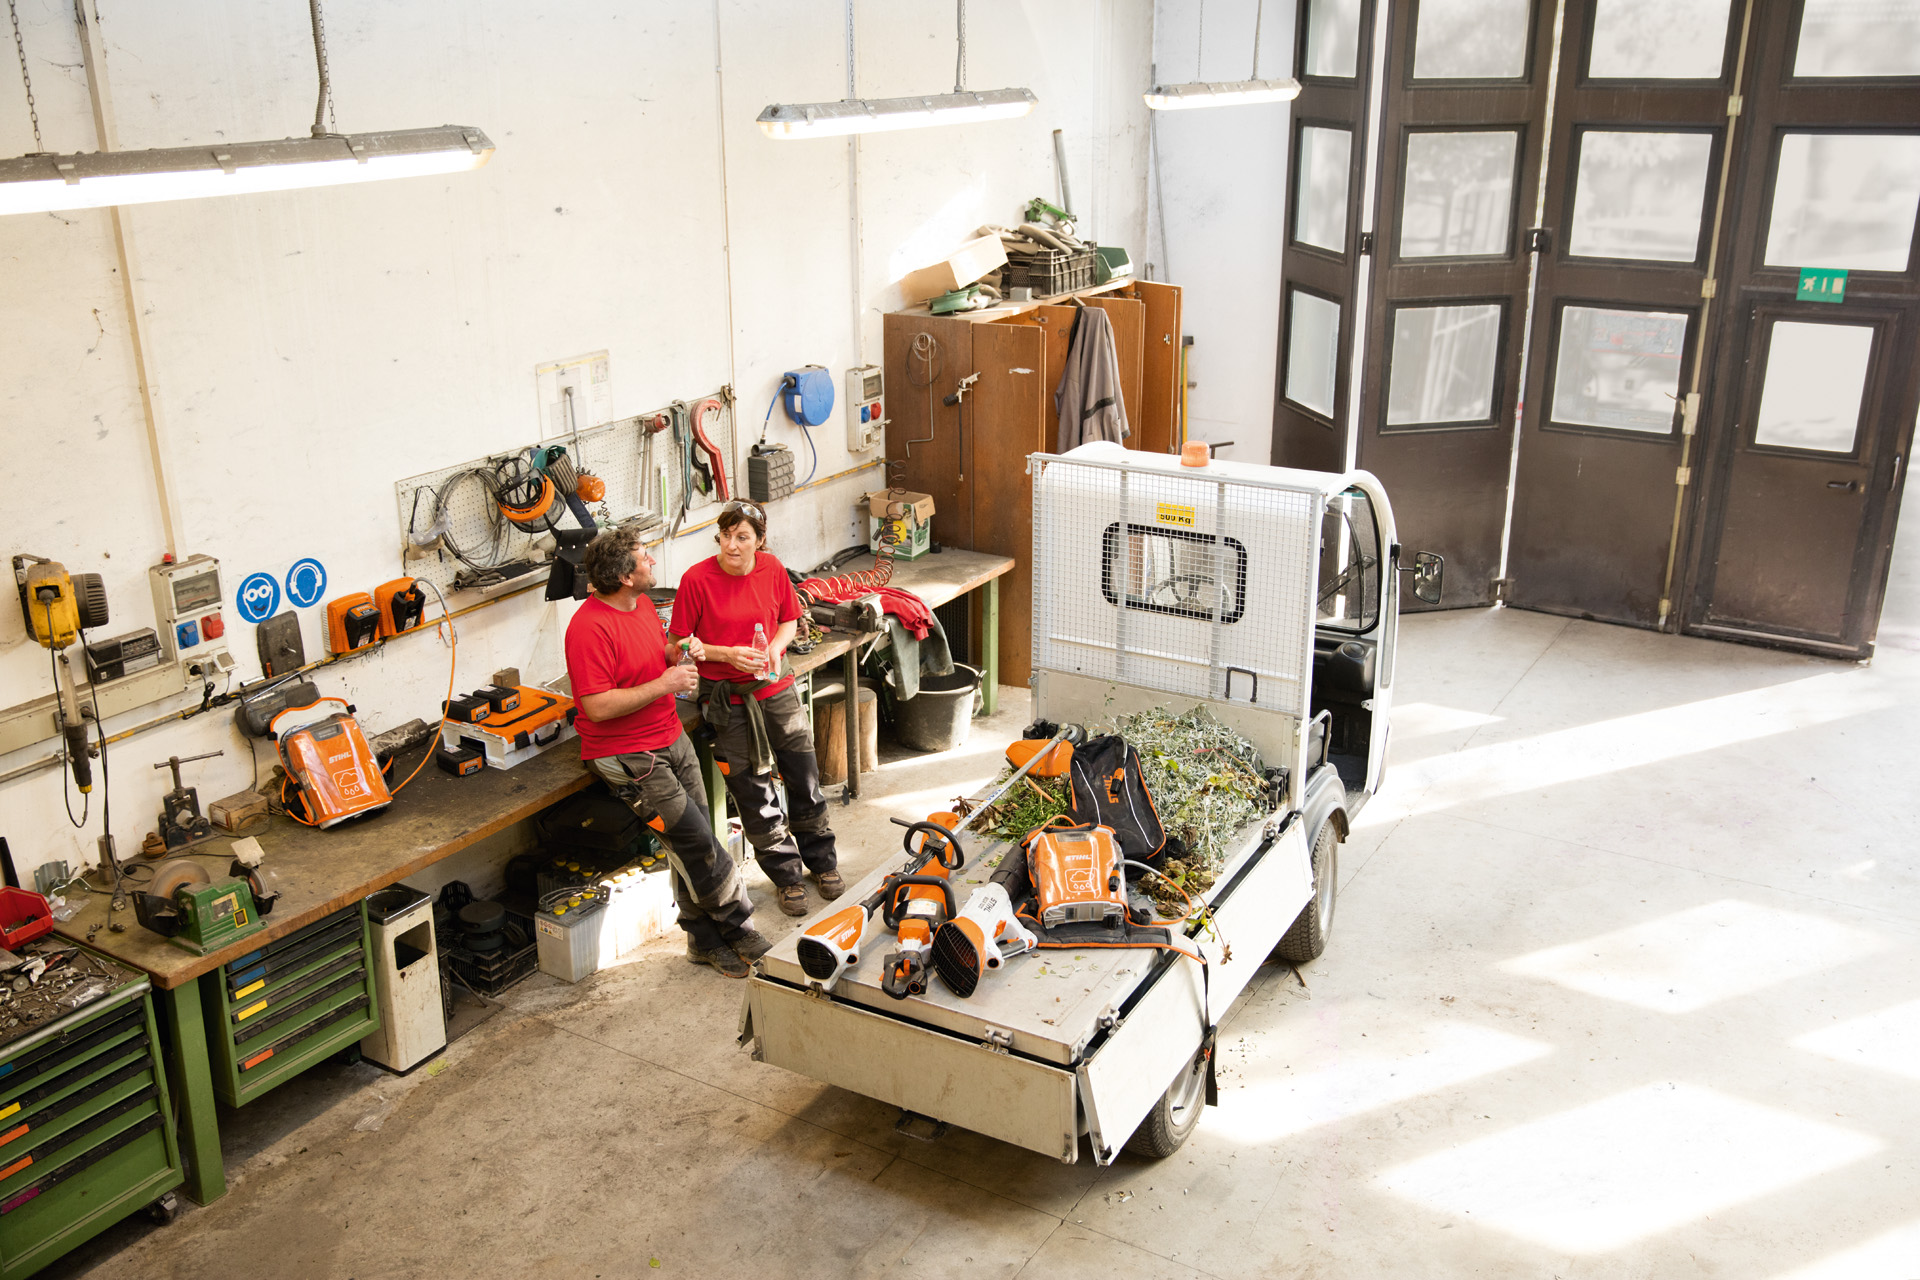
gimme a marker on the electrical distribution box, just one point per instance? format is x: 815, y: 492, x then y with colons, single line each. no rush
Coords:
x: 187, y: 612
x: 866, y: 427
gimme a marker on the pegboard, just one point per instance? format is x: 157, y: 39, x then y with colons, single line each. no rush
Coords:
x: 626, y: 454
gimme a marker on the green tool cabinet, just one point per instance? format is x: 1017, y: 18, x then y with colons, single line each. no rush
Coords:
x: 281, y: 1008
x: 86, y: 1128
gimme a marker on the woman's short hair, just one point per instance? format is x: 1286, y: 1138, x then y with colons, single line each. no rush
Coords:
x: 739, y: 511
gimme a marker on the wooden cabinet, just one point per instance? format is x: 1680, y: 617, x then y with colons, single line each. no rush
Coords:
x: 971, y: 456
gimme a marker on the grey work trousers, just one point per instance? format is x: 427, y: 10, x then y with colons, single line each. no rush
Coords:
x: 785, y: 844
x: 664, y: 788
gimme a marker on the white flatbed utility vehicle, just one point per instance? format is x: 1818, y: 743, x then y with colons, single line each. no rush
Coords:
x: 1268, y: 596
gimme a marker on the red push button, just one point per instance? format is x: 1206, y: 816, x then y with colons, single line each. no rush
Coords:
x: 212, y: 627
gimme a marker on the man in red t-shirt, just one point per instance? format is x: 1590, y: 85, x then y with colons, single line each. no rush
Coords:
x: 625, y: 684
x: 740, y: 606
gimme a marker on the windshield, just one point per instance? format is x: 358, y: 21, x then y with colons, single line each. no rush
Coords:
x: 1349, y: 598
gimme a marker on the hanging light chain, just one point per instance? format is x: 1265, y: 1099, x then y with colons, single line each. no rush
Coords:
x: 323, y: 116
x: 1200, y: 45
x: 960, y: 61
x: 1259, y: 12
x: 33, y: 111
x: 851, y: 94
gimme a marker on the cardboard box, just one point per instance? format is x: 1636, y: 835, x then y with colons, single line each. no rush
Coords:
x: 968, y: 263
x: 912, y: 513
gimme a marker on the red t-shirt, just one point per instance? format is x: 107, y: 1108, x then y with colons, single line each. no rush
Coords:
x: 721, y: 609
x: 606, y: 650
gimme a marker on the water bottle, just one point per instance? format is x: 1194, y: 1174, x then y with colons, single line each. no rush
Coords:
x: 759, y: 638
x: 686, y: 660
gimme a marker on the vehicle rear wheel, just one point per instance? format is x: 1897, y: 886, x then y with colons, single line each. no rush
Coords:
x: 1307, y: 938
x: 1175, y: 1117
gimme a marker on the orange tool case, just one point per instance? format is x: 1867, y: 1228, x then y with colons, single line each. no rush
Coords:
x: 541, y: 718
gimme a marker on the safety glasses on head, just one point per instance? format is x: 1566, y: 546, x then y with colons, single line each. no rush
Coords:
x: 751, y: 510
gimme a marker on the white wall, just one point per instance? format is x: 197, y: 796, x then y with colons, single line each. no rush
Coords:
x: 1219, y: 202
x: 310, y: 348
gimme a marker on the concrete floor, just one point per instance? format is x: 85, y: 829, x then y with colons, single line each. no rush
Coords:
x: 1622, y: 983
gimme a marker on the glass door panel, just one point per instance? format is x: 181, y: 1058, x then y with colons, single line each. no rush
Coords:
x: 1848, y: 38
x: 1640, y: 194
x: 1333, y: 39
x: 1458, y: 198
x: 1815, y: 383
x: 1658, y: 40
x: 1320, y: 193
x: 1844, y: 200
x: 1618, y: 370
x: 1472, y: 40
x: 1444, y: 366
x: 1313, y: 352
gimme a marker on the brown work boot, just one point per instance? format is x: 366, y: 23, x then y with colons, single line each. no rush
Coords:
x: 723, y: 957
x: 751, y: 944
x: 831, y: 885
x: 793, y: 898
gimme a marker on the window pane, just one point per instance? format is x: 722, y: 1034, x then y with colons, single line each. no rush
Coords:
x: 1333, y: 38
x: 1816, y: 376
x: 1618, y: 369
x: 1313, y: 346
x: 1844, y: 200
x: 1320, y: 188
x: 1443, y: 364
x: 1640, y: 195
x: 1471, y: 40
x: 1350, y: 567
x: 1459, y: 197
x: 1848, y: 38
x: 1658, y: 40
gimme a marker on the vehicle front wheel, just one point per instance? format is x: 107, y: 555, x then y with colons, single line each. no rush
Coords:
x: 1307, y: 938
x: 1175, y: 1117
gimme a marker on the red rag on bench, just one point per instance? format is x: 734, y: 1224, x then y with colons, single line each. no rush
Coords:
x: 904, y: 605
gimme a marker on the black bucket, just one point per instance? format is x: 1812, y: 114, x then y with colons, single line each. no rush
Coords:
x: 938, y: 719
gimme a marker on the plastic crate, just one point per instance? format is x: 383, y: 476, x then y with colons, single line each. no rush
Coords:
x: 1053, y: 272
x: 24, y: 916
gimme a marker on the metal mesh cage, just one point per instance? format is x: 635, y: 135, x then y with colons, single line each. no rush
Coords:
x: 1196, y: 584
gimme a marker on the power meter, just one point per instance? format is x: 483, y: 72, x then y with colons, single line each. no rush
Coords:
x: 866, y: 427
x: 187, y: 612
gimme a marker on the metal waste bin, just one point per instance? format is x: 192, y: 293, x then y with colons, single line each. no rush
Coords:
x: 406, y: 977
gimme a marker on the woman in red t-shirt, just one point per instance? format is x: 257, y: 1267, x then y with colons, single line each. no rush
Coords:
x: 741, y: 606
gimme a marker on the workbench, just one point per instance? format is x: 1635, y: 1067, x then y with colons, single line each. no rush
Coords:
x: 319, y: 872
x: 437, y: 816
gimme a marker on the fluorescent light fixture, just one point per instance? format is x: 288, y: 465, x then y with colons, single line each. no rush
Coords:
x: 92, y: 180
x: 1220, y: 93
x: 879, y: 115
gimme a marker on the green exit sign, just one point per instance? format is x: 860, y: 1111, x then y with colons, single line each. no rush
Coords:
x: 1822, y: 284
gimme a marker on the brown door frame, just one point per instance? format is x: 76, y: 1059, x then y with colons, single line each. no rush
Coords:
x: 1776, y: 104
x: 1449, y: 481
x: 1593, y: 517
x: 1302, y: 437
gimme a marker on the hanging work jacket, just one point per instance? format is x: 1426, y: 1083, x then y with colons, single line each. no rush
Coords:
x: 1088, y: 397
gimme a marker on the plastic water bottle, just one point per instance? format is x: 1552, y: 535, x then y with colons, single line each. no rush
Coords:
x: 759, y: 638
x: 686, y: 660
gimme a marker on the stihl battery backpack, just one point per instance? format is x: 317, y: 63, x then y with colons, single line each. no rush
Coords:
x: 1110, y: 791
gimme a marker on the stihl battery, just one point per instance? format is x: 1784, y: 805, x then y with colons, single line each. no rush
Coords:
x: 461, y: 760
x: 468, y: 708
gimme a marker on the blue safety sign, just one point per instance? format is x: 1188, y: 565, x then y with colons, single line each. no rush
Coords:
x: 306, y: 582
x: 259, y: 597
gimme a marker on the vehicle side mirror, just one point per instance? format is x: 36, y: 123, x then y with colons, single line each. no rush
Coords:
x: 1427, y: 569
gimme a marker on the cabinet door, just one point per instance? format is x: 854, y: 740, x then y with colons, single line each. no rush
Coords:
x: 1007, y: 418
x: 1129, y: 340
x: 925, y: 357
x: 1156, y: 430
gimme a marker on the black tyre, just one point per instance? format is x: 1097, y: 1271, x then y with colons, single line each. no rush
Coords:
x: 1307, y: 937
x: 1173, y: 1118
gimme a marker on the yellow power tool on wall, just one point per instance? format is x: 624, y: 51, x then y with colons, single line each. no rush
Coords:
x: 57, y: 607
